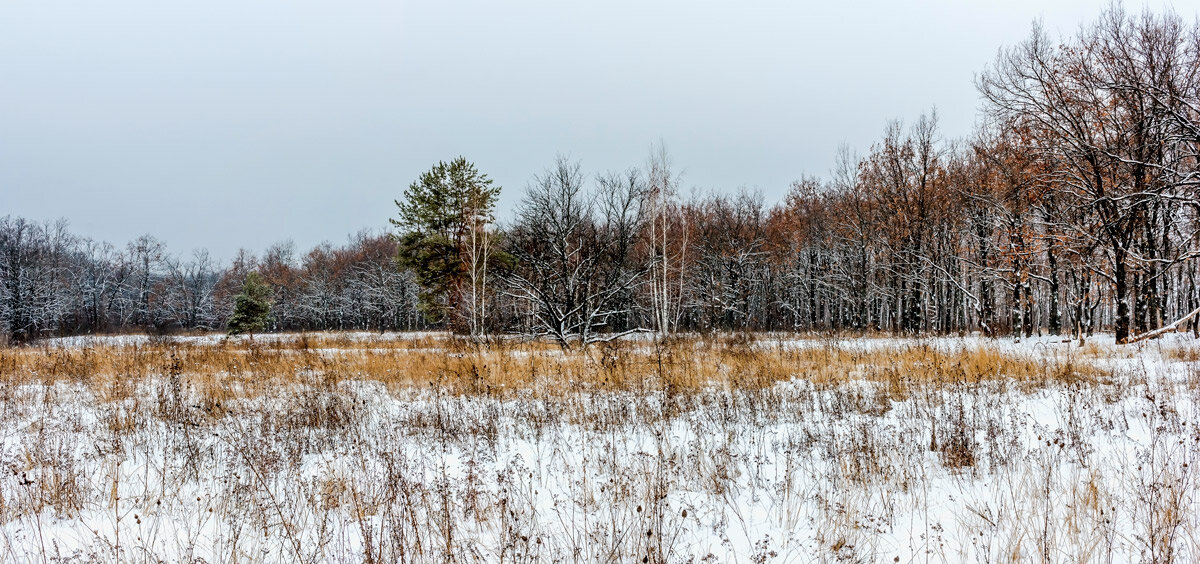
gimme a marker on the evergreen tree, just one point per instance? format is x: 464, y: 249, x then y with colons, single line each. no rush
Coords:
x: 441, y: 214
x: 251, y: 307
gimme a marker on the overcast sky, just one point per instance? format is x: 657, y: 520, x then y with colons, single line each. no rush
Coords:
x: 238, y: 123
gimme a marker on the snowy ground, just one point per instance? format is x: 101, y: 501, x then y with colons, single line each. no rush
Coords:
x: 357, y: 471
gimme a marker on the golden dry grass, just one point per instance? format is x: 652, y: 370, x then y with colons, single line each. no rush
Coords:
x: 237, y: 368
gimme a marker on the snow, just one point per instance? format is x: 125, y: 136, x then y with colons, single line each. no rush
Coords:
x: 795, y: 473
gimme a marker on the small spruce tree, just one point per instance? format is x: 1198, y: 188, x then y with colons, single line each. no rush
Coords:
x: 251, y: 307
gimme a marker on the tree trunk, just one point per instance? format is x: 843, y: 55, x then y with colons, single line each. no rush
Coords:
x: 1055, y: 321
x: 1121, y: 295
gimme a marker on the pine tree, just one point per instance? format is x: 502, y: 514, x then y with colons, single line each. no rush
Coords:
x: 443, y: 219
x: 251, y: 307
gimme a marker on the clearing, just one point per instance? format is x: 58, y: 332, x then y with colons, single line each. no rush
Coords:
x: 768, y: 448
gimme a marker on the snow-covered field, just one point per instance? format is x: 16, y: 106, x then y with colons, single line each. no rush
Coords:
x: 153, y: 468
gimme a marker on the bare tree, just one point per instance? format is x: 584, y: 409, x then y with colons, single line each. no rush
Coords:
x: 576, y: 268
x: 668, y: 238
x: 1113, y: 142
x: 189, y: 288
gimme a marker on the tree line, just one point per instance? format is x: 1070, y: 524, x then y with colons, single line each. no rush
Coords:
x: 1072, y: 209
x: 57, y: 283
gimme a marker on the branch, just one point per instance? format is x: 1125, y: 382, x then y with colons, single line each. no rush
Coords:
x: 1169, y: 328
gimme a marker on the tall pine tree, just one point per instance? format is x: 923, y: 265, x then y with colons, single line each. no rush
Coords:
x: 439, y: 215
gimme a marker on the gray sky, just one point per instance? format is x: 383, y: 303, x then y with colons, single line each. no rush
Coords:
x: 237, y: 123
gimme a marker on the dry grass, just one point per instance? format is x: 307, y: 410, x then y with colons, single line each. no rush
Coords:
x: 242, y: 369
x: 326, y: 447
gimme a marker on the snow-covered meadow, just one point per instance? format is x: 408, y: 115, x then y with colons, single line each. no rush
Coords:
x: 394, y: 448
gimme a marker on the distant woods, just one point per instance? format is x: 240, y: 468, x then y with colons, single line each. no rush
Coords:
x: 1074, y: 208
x: 56, y: 283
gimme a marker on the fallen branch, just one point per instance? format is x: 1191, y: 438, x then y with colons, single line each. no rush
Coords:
x: 1167, y: 329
